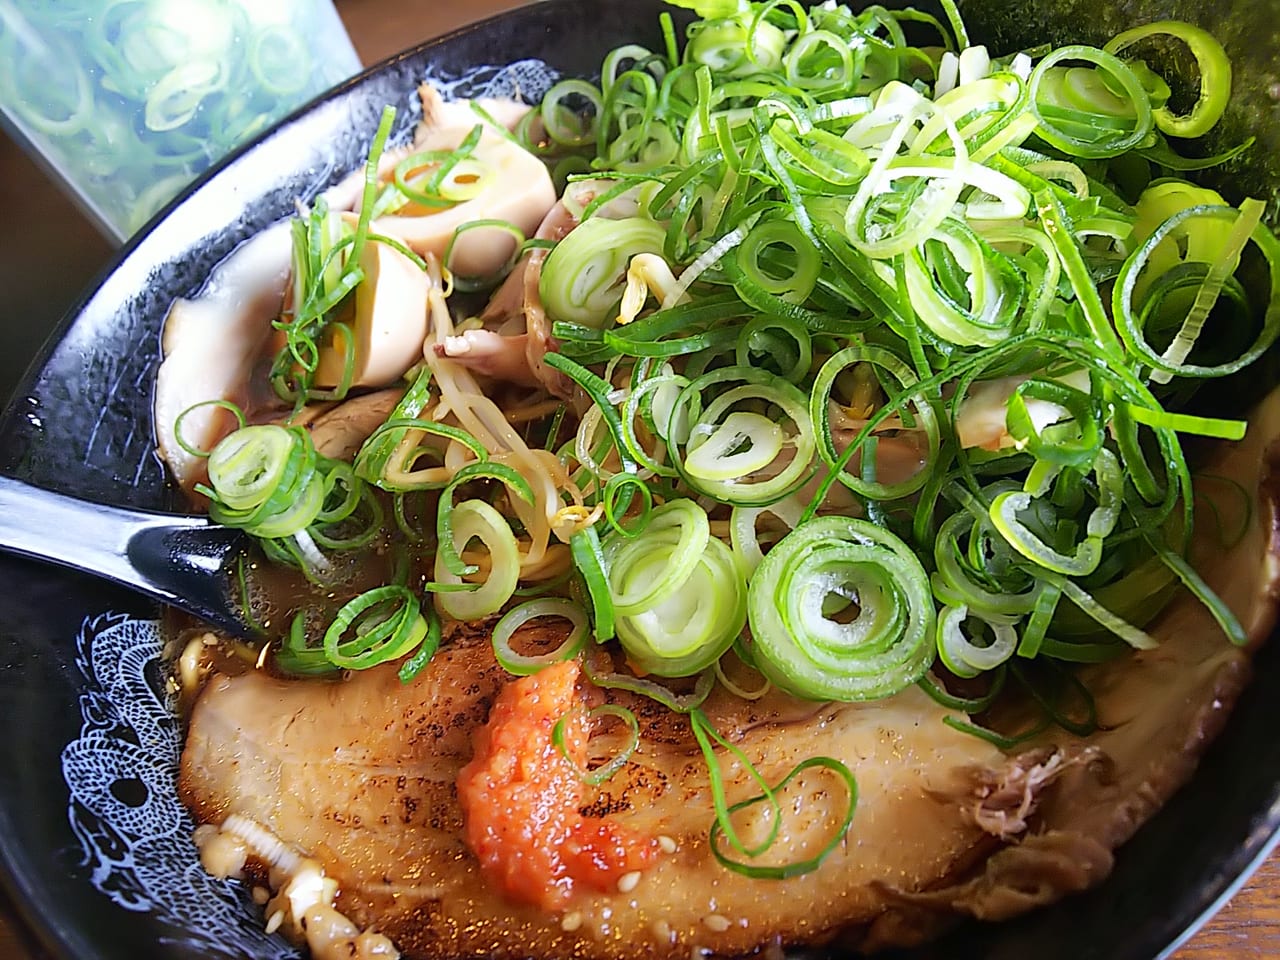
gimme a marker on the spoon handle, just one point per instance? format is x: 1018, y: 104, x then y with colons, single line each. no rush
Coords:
x: 183, y: 561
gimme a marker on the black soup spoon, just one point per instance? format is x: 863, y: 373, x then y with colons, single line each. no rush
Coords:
x: 187, y: 562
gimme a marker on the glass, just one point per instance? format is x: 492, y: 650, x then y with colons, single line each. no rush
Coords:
x: 128, y: 100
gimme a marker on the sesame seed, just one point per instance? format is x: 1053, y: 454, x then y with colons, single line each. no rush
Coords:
x: 666, y: 844
x: 663, y: 931
x: 274, y: 921
x: 571, y: 922
x: 261, y: 895
x: 628, y: 881
x: 716, y: 923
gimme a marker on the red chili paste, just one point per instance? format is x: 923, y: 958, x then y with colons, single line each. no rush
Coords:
x: 521, y: 797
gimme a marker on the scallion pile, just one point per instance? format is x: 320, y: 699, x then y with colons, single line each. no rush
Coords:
x: 875, y: 342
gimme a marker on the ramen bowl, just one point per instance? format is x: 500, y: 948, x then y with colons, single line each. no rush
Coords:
x: 94, y: 844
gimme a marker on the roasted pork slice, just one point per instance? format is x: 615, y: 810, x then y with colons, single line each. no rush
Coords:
x: 360, y: 774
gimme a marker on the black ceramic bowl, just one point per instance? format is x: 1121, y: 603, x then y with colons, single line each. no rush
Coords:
x: 93, y: 842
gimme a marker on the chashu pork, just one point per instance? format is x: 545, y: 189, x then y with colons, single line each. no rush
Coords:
x: 360, y: 775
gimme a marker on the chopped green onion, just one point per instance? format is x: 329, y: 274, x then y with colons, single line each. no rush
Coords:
x: 678, y: 593
x: 969, y: 705
x: 386, y: 622
x: 589, y: 561
x: 410, y: 669
x: 227, y: 405
x: 744, y: 464
x: 513, y: 620
x: 1087, y: 133
x: 960, y: 654
x: 475, y: 519
x: 615, y: 763
x: 723, y: 826
x: 449, y: 556
x: 677, y: 703
x: 584, y: 275
x: 882, y: 649
x: 1215, y: 75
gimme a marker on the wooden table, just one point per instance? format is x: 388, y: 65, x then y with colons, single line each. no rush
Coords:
x: 1248, y: 927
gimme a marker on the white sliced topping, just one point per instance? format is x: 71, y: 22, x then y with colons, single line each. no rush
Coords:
x: 948, y: 73
x: 975, y: 64
x: 210, y: 343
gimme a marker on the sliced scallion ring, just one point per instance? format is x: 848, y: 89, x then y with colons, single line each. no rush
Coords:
x: 740, y: 444
x: 1215, y: 75
x: 475, y: 519
x: 249, y: 464
x: 925, y: 421
x: 567, y: 123
x: 380, y: 634
x: 693, y: 623
x: 1088, y: 137
x: 584, y: 275
x: 742, y: 441
x: 1006, y: 507
x: 960, y: 654
x: 682, y: 527
x: 513, y: 620
x: 675, y: 702
x: 1181, y: 223
x: 954, y: 584
x: 796, y: 868
x: 885, y: 647
x: 606, y: 770
x: 590, y: 563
